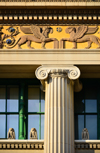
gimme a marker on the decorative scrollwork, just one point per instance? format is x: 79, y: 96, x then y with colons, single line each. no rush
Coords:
x: 73, y: 74
x: 8, y: 39
x: 13, y: 32
x: 41, y: 73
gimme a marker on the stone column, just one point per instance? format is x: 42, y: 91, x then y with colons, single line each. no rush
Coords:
x: 59, y: 107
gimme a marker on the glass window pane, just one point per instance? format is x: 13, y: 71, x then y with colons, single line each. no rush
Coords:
x: 42, y: 101
x: 90, y: 92
x: 42, y: 126
x: 2, y: 126
x: 33, y: 99
x: 12, y: 99
x: 33, y: 122
x: 2, y: 99
x: 91, y: 125
x: 12, y: 122
x: 91, y: 99
x: 91, y: 105
x: 79, y: 102
x: 79, y: 125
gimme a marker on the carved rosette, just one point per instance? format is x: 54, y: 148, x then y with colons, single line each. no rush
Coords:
x: 43, y: 72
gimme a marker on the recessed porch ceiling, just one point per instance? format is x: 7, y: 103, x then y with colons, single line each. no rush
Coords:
x: 28, y: 71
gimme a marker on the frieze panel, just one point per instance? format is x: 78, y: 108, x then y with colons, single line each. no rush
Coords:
x: 49, y: 37
x: 81, y: 34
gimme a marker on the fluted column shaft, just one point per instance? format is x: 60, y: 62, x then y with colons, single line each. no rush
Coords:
x: 59, y: 108
x: 59, y: 115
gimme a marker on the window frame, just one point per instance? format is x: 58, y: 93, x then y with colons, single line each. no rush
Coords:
x: 6, y: 112
x: 90, y: 82
x: 26, y: 83
x: 35, y: 113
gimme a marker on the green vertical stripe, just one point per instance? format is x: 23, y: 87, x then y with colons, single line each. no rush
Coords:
x: 26, y: 107
x: 21, y: 112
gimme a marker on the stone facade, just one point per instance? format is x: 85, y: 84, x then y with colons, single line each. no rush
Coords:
x: 49, y: 42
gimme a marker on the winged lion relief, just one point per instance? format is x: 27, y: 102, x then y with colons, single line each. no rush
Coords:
x: 80, y: 34
x: 35, y: 34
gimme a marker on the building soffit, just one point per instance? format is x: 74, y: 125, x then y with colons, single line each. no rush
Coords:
x: 28, y: 71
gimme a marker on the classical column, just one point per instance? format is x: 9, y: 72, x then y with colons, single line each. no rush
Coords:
x: 59, y: 107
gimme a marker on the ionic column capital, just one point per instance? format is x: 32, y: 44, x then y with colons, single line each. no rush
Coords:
x: 72, y: 72
x: 45, y: 71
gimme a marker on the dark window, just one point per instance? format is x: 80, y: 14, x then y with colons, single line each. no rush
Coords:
x: 21, y: 107
x: 9, y: 109
x: 86, y: 112
x: 36, y: 110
